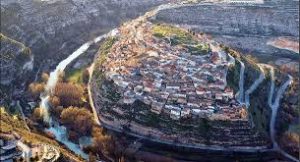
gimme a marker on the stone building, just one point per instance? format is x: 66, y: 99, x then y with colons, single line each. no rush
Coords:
x: 8, y: 150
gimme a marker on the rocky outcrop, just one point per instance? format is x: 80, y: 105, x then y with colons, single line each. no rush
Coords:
x: 241, y: 26
x: 16, y: 62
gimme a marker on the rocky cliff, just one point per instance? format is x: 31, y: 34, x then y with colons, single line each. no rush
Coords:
x: 16, y: 63
x: 54, y: 29
x: 242, y: 26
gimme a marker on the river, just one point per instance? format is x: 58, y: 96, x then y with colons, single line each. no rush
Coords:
x: 57, y: 130
x: 54, y: 75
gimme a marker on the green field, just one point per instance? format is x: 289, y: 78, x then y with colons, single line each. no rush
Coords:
x: 75, y: 75
x: 179, y: 36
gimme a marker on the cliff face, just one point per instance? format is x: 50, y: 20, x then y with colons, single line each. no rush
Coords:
x: 54, y: 29
x: 16, y: 62
x: 246, y: 27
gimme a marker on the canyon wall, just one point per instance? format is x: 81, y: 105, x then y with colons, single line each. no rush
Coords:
x: 54, y: 29
x: 244, y: 26
x: 16, y: 61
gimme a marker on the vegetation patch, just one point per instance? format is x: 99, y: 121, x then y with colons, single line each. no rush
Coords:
x: 4, y: 95
x: 199, y: 49
x: 111, y: 91
x: 151, y: 119
x: 77, y: 120
x: 179, y: 36
x: 68, y: 94
x: 259, y: 109
x: 295, y: 128
x: 233, y: 76
x: 21, y: 58
x: 252, y: 70
x: 102, y: 54
x: 174, y: 34
x: 77, y: 76
x: 104, y: 50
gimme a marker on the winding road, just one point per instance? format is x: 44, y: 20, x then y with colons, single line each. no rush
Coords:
x: 275, y: 106
x: 273, y: 103
x: 91, y: 70
x: 241, y: 83
x: 254, y: 86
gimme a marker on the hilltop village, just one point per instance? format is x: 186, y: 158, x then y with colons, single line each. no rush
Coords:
x: 159, y: 81
x: 192, y: 80
x: 178, y: 78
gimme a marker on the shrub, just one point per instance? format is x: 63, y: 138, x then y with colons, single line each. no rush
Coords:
x: 177, y: 35
x: 45, y: 77
x: 77, y: 119
x: 69, y: 94
x: 54, y: 101
x: 37, y: 114
x: 36, y: 89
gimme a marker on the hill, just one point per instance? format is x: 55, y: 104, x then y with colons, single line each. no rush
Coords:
x: 174, y: 86
x: 150, y: 84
